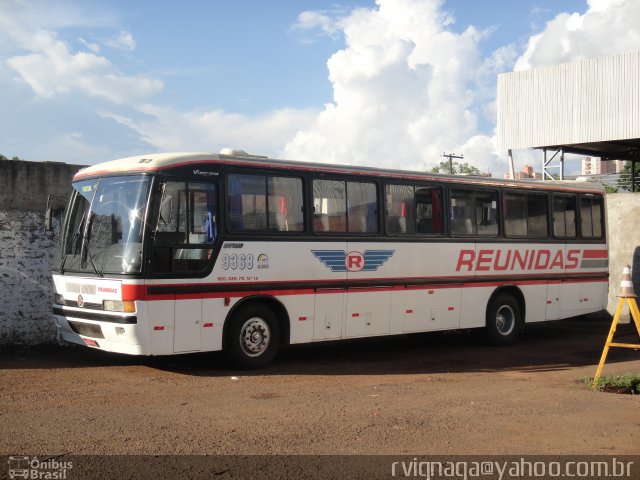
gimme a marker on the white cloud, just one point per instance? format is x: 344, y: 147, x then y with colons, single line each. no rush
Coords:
x: 94, y: 47
x: 404, y: 90
x: 168, y: 130
x: 49, y: 67
x: 311, y: 20
x: 607, y: 27
x: 73, y: 147
x: 122, y: 41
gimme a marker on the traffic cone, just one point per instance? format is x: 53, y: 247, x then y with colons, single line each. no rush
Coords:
x: 626, y: 284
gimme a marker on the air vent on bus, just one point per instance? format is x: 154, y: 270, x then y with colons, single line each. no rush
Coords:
x: 233, y: 152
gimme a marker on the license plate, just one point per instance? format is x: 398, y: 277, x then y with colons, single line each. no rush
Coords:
x: 90, y: 343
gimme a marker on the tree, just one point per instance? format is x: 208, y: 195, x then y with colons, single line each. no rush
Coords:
x: 624, y: 182
x: 2, y: 157
x: 458, y: 168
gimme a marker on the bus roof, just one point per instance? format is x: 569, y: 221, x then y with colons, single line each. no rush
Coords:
x: 158, y: 162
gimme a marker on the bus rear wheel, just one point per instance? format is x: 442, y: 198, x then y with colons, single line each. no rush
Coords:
x: 504, y: 320
x: 253, y: 337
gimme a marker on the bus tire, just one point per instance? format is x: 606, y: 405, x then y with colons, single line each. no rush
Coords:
x: 504, y: 320
x: 253, y: 337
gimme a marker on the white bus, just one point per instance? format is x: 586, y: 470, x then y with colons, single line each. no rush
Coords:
x: 190, y: 252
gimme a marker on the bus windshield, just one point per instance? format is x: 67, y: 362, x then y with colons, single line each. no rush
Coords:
x: 105, y: 226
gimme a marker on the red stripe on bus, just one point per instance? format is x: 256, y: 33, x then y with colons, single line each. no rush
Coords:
x: 134, y: 292
x: 595, y: 254
x: 310, y: 291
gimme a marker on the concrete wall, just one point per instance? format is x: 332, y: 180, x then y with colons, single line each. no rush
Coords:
x: 26, y: 185
x: 26, y: 250
x: 623, y: 214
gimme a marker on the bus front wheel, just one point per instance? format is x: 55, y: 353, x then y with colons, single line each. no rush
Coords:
x: 253, y: 337
x: 504, y: 320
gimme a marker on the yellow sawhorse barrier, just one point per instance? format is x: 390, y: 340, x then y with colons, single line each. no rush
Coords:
x: 635, y: 315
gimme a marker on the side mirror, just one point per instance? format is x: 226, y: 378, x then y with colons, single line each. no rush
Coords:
x: 49, y: 213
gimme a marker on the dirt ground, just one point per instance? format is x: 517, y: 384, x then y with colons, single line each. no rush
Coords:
x: 421, y: 394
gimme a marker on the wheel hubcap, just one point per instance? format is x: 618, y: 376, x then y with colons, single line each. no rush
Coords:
x: 255, y: 336
x: 505, y: 320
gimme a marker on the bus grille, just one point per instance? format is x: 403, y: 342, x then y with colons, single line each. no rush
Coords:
x: 86, y: 329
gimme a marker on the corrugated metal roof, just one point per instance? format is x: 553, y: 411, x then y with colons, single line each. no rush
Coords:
x: 595, y: 100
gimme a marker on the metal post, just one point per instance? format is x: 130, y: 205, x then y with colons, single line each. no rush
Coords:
x: 546, y: 165
x: 512, y: 173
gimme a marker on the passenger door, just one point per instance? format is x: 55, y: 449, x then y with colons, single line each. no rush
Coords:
x: 182, y: 251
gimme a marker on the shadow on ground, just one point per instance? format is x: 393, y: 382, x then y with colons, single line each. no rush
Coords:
x: 543, y: 347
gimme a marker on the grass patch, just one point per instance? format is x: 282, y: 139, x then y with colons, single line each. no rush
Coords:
x: 628, y: 383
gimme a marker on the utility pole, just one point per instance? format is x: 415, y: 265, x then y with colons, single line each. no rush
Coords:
x: 512, y: 173
x: 451, y: 156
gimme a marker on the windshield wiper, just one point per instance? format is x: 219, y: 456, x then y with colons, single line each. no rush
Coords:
x: 74, y: 237
x: 84, y: 251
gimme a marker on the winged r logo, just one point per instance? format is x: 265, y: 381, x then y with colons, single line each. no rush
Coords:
x: 341, y: 261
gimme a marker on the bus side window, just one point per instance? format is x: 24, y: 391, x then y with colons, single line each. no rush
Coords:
x: 429, y: 210
x: 462, y: 212
x: 564, y: 216
x: 400, y: 209
x: 330, y: 206
x: 186, y: 228
x: 526, y: 215
x: 591, y: 217
x: 486, y: 205
x: 362, y: 199
x: 515, y: 221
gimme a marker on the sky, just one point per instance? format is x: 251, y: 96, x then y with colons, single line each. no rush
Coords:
x: 386, y: 83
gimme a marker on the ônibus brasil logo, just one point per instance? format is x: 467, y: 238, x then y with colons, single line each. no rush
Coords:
x: 341, y: 261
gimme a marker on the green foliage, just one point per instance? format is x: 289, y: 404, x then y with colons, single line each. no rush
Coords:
x: 624, y: 183
x: 2, y: 157
x: 458, y: 168
x: 628, y: 381
x: 610, y: 189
